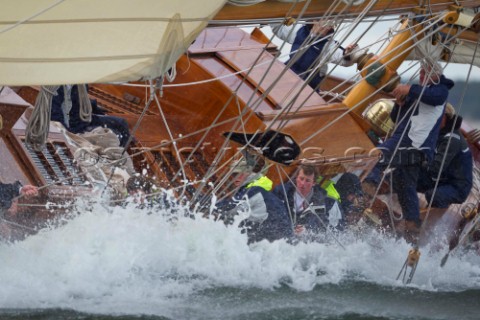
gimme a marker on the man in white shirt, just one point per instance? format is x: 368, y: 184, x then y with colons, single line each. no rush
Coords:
x: 311, y: 209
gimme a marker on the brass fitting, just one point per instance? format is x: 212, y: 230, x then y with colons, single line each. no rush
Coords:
x: 413, y: 257
x: 373, y: 217
x: 378, y: 116
x: 469, y: 211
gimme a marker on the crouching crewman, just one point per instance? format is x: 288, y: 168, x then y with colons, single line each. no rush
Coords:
x: 267, y: 217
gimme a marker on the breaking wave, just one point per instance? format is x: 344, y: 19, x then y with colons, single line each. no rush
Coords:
x: 127, y: 260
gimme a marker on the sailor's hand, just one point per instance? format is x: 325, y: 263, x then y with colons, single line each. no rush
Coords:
x: 299, y: 229
x: 289, y: 21
x: 350, y: 48
x: 29, y: 190
x: 13, y: 208
x: 400, y: 92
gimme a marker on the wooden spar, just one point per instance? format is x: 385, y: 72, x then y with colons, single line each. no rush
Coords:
x: 391, y: 58
x: 271, y: 9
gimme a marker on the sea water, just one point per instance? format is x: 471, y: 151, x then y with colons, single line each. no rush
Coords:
x: 130, y: 263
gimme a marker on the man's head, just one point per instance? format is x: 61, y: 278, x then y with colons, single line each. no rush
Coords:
x: 322, y: 28
x: 349, y: 187
x: 305, y: 179
x: 430, y: 73
x: 243, y: 168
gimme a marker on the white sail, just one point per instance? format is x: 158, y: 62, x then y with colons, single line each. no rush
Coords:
x: 459, y: 50
x: 47, y: 42
x: 465, y: 53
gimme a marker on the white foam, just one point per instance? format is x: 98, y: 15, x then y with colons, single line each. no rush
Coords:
x: 132, y: 260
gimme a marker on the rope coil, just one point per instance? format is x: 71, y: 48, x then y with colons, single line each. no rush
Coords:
x: 38, y: 125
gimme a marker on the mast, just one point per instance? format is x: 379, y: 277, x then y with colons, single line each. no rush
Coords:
x: 391, y: 58
x: 380, y: 72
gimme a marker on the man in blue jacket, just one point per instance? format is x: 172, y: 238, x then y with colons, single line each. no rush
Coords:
x: 311, y: 209
x: 8, y: 204
x: 311, y: 43
x: 9, y: 191
x: 455, y: 158
x: 267, y: 218
x: 417, y: 113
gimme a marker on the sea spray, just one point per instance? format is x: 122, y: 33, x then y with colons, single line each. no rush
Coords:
x: 153, y: 261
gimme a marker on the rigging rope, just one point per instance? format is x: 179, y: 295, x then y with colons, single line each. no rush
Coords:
x: 85, y: 103
x: 36, y: 133
x: 38, y: 126
x: 210, y: 127
x: 177, y: 139
x: 243, y: 112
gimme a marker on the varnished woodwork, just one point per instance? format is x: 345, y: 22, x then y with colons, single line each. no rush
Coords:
x: 195, y: 107
x: 212, y: 40
x: 243, y: 89
x: 281, y: 86
x: 342, y: 87
x: 15, y: 162
x: 301, y: 113
x: 270, y: 9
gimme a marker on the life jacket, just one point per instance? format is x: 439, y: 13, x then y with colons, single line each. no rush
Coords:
x: 263, y: 182
x: 268, y: 218
x: 329, y: 186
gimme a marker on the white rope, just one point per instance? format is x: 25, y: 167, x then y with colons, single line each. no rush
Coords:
x: 171, y: 74
x: 177, y: 139
x: 213, y: 125
x: 38, y: 126
x: 85, y: 110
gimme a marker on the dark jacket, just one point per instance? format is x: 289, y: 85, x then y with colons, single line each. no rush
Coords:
x: 350, y: 185
x: 458, y: 164
x: 309, y: 57
x: 8, y: 191
x: 268, y: 220
x: 315, y: 217
x: 422, y: 123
